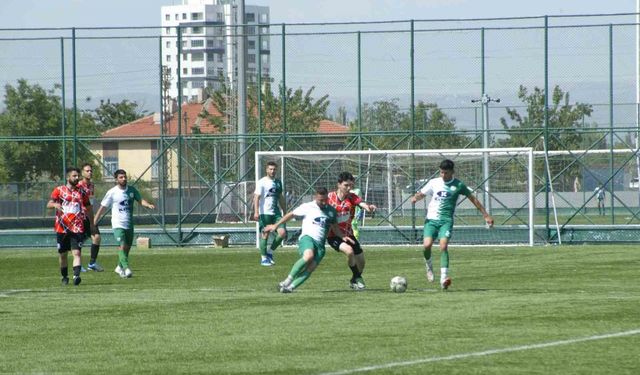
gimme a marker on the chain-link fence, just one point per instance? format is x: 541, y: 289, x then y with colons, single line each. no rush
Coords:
x: 566, y: 85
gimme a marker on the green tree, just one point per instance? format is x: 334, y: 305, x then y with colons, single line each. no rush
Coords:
x: 32, y: 112
x: 565, y: 124
x: 436, y: 130
x: 111, y: 115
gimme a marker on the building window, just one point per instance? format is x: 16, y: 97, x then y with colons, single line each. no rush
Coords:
x: 220, y: 57
x: 210, y: 56
x: 252, y: 44
x: 167, y: 30
x: 197, y: 43
x: 177, y: 17
x: 184, y: 16
x: 197, y: 84
x: 197, y: 71
x: 263, y: 18
x: 185, y: 57
x: 220, y: 71
x: 250, y: 17
x: 155, y: 164
x: 251, y: 30
x: 185, y: 71
x: 109, y: 158
x: 219, y: 17
x: 265, y: 59
x: 197, y: 56
x: 167, y: 44
x: 265, y: 45
x: 194, y: 98
x: 196, y: 30
x: 167, y: 17
x: 251, y: 58
x: 184, y: 44
x: 211, y: 71
x: 168, y: 58
x: 209, y: 43
x: 196, y: 16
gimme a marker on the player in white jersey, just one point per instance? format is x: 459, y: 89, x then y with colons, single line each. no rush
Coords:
x: 318, y: 218
x: 121, y: 198
x: 444, y: 191
x: 268, y: 206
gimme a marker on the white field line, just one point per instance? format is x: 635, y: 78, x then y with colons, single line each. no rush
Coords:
x: 484, y: 353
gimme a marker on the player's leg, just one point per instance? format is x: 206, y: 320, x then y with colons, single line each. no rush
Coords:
x: 430, y: 231
x: 95, y: 249
x: 445, y: 235
x: 358, y: 255
x: 263, y: 221
x: 63, y: 248
x: 75, y: 242
x: 303, y: 267
x: 281, y: 234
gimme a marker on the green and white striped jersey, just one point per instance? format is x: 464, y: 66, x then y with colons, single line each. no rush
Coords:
x: 270, y: 191
x: 444, y: 196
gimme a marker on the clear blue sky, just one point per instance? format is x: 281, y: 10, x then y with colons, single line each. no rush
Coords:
x: 84, y: 13
x: 448, y: 72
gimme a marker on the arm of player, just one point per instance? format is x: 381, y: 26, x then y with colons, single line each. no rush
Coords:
x: 487, y: 218
x: 55, y: 205
x: 92, y: 224
x: 368, y: 207
x: 256, y: 207
x: 340, y: 233
x: 417, y: 197
x: 146, y: 204
x: 284, y: 219
x: 98, y: 215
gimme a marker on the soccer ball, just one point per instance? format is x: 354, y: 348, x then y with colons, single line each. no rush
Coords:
x: 398, y: 284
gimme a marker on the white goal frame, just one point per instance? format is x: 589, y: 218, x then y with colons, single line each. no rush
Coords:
x: 528, y: 152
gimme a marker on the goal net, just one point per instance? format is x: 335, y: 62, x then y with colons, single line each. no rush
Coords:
x: 502, y: 179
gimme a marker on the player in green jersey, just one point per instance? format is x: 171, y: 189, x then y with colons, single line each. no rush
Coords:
x: 444, y: 191
x: 268, y: 206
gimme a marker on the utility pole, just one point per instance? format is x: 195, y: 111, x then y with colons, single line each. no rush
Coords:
x: 485, y: 100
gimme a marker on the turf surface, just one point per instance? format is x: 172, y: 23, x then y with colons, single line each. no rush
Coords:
x: 545, y: 310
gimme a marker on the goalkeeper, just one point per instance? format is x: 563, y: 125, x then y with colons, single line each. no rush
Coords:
x: 444, y: 191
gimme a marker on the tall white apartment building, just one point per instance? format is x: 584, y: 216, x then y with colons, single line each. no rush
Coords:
x: 209, y: 41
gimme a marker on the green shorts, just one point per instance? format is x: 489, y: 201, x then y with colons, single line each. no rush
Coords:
x: 123, y: 236
x: 306, y: 243
x: 437, y: 228
x: 264, y: 220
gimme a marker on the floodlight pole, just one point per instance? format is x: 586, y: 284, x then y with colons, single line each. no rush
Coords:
x: 485, y: 100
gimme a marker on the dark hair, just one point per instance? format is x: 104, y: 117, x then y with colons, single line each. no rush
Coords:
x: 72, y: 169
x: 87, y: 165
x: 345, y: 176
x: 322, y: 191
x: 119, y: 172
x: 446, y: 165
x: 269, y: 163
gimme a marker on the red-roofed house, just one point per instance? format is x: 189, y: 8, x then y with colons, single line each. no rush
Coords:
x: 134, y: 146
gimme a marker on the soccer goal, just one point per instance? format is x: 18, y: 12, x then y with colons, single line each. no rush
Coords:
x: 502, y: 179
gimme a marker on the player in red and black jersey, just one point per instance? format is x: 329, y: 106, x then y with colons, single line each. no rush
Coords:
x: 71, y: 204
x: 87, y: 184
x: 345, y: 203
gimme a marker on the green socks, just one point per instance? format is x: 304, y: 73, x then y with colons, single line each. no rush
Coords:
x: 276, y: 243
x: 426, y: 254
x: 123, y: 259
x: 444, y: 259
x: 263, y: 246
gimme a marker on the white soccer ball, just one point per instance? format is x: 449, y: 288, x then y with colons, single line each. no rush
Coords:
x: 398, y: 284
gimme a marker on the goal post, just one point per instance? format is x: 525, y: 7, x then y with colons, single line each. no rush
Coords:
x: 388, y: 178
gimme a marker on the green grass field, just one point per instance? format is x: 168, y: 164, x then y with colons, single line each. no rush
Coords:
x: 543, y: 310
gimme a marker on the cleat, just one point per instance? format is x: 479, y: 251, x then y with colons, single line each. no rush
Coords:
x: 360, y: 283
x: 95, y: 267
x: 82, y: 269
x: 118, y: 270
x: 353, y: 285
x: 430, y: 277
x: 65, y: 281
x: 265, y: 262
x: 270, y: 259
x: 77, y: 280
x: 285, y: 289
x: 127, y: 273
x: 444, y: 284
